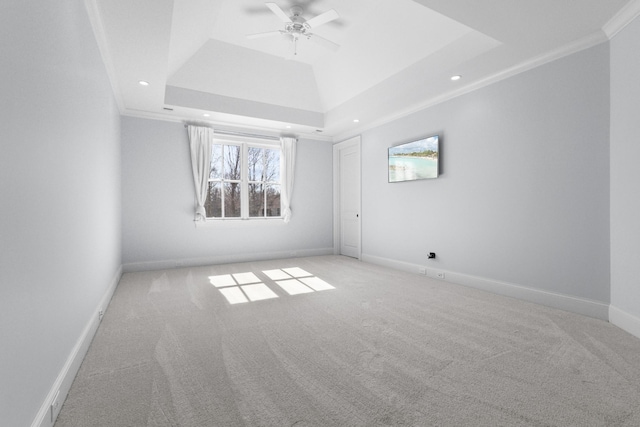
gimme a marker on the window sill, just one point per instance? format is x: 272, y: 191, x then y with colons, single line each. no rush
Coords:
x: 240, y: 223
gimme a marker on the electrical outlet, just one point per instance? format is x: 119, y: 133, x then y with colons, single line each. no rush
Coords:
x: 440, y: 275
x: 100, y: 315
x: 422, y: 270
x: 55, y: 403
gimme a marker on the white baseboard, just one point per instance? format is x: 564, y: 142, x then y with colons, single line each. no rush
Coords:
x: 66, y: 376
x: 624, y: 321
x: 222, y: 259
x: 596, y: 309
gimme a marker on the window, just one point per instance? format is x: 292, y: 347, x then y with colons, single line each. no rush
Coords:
x: 244, y: 181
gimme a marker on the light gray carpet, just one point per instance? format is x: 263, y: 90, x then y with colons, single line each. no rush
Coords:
x: 382, y: 348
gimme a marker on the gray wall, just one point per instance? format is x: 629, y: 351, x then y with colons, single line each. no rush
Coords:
x: 158, y: 205
x: 524, y: 193
x: 60, y: 195
x: 625, y: 171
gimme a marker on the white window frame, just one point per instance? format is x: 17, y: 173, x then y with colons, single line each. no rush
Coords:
x: 245, y: 142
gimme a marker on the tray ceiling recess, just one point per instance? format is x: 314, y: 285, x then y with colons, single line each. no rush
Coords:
x: 313, y: 67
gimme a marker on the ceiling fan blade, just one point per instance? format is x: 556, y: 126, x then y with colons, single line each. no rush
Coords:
x: 279, y: 12
x: 323, y: 18
x: 327, y: 44
x: 261, y: 35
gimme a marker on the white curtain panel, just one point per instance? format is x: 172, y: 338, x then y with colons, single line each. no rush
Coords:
x: 288, y: 147
x: 200, y: 141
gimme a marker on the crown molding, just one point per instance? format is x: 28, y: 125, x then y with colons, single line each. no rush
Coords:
x: 623, y: 18
x: 584, y: 43
x: 103, y: 46
x: 141, y: 114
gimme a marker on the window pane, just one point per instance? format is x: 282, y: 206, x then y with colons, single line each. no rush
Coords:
x: 256, y: 200
x: 234, y: 171
x: 232, y: 159
x: 273, y: 200
x: 256, y: 163
x: 272, y: 165
x: 216, y: 162
x: 213, y: 204
x: 231, y: 199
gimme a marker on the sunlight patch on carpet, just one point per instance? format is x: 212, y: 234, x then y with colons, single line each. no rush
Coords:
x: 316, y: 283
x: 239, y: 288
x: 296, y: 272
x: 258, y: 292
x: 234, y: 295
x: 246, y: 278
x: 252, y: 290
x: 293, y: 287
x: 222, y: 280
x: 297, y: 281
x: 276, y: 274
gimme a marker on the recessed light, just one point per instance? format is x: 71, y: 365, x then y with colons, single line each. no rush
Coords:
x: 143, y: 83
x: 356, y: 121
x: 288, y: 127
x: 456, y: 78
x: 206, y: 114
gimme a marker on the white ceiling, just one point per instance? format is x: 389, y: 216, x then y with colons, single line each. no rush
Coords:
x: 395, y: 56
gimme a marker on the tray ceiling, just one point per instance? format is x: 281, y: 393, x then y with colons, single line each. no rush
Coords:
x: 395, y: 56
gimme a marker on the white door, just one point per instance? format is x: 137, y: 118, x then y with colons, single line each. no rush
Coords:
x: 348, y: 197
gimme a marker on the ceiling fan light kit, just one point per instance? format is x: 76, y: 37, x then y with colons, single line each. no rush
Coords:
x: 296, y: 26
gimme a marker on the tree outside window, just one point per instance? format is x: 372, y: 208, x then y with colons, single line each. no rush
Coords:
x: 244, y: 182
x: 264, y: 182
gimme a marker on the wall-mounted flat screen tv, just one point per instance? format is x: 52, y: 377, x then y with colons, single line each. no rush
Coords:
x: 413, y: 160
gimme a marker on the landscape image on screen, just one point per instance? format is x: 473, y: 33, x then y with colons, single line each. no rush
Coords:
x: 414, y: 160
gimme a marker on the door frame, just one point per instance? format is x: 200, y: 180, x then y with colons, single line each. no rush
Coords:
x: 351, y: 142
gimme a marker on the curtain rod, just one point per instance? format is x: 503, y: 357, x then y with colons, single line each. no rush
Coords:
x: 248, y: 135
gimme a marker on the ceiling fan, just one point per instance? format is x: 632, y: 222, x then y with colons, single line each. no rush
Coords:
x: 295, y: 26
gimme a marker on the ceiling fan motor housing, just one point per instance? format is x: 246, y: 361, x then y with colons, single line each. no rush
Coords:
x: 298, y: 25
